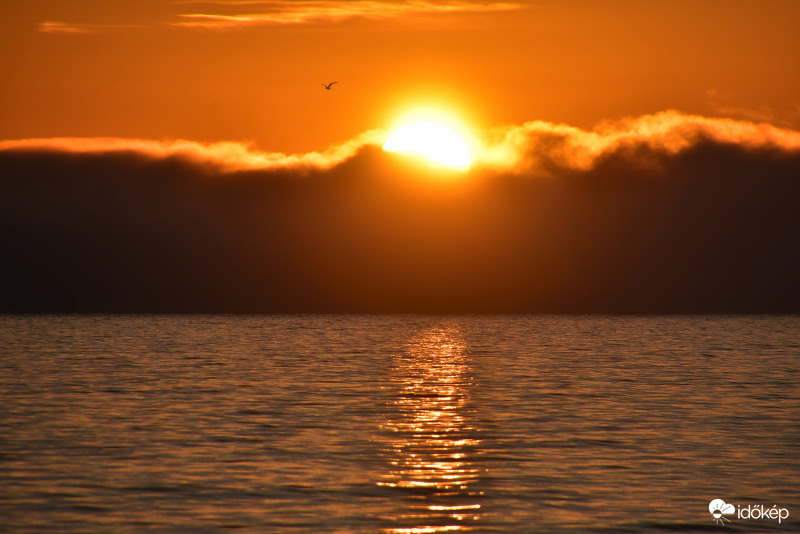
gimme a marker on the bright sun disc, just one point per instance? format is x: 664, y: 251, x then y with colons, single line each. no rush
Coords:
x: 435, y: 142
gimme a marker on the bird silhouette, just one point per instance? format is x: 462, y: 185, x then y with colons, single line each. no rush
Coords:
x: 328, y: 86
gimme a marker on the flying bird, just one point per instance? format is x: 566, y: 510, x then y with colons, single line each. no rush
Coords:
x: 328, y: 86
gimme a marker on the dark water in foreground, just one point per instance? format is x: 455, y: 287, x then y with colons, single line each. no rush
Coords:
x: 397, y: 424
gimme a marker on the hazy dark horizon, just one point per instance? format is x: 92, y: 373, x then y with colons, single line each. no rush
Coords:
x: 710, y: 228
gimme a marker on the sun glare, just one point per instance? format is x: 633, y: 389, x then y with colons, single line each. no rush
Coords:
x: 438, y: 144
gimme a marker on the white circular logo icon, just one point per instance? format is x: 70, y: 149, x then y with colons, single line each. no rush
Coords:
x: 719, y: 509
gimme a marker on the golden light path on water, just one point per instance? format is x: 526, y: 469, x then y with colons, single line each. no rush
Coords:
x: 433, y: 444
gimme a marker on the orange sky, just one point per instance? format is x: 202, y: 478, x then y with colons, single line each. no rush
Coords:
x: 239, y: 71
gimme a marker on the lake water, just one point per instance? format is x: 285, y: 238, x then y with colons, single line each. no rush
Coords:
x: 397, y: 424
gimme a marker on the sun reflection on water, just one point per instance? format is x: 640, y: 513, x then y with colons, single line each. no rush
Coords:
x: 432, y: 446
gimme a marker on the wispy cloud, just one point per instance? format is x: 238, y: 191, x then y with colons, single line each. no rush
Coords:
x: 53, y: 26
x: 729, y: 105
x: 534, y: 148
x: 222, y: 15
x: 220, y: 156
x: 538, y: 144
x: 283, y: 13
x: 68, y: 28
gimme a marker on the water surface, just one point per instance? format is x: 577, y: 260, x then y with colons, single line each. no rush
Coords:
x: 396, y: 423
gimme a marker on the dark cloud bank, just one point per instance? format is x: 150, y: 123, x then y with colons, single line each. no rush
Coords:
x: 711, y: 228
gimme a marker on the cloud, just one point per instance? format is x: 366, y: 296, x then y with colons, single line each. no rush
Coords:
x: 534, y: 148
x: 52, y: 26
x: 725, y: 104
x: 222, y: 15
x: 305, y: 12
x: 67, y: 28
x: 218, y: 157
x: 661, y: 213
x: 541, y: 144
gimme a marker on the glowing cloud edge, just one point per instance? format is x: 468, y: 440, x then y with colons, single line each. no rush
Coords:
x: 515, y: 149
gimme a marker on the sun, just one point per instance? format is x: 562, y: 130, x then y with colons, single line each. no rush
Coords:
x: 438, y: 144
